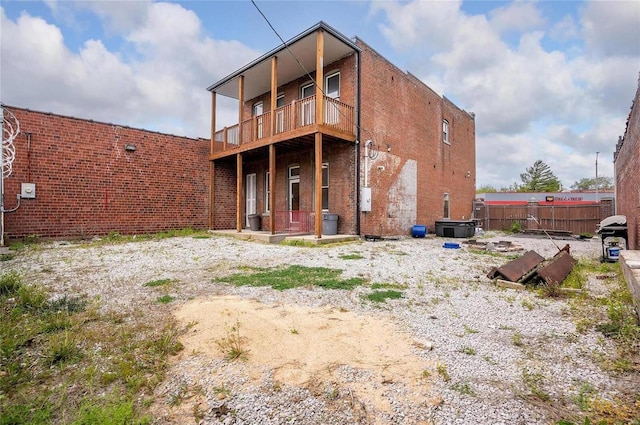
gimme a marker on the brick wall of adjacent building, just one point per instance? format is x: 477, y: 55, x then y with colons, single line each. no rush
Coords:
x: 627, y: 171
x: 88, y: 184
x: 411, y: 168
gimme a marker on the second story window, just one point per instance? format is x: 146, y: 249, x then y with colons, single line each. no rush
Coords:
x: 332, y: 86
x: 445, y: 132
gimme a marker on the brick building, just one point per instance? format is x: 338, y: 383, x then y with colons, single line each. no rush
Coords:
x: 381, y: 151
x: 627, y: 171
x: 92, y: 178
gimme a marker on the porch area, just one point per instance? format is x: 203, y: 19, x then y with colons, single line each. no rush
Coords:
x: 268, y: 237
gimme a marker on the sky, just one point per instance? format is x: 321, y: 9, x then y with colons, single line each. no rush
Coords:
x: 548, y: 80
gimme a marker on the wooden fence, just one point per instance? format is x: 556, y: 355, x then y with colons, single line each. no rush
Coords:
x: 576, y: 219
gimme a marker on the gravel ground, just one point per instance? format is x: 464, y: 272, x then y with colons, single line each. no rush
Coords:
x: 499, y: 346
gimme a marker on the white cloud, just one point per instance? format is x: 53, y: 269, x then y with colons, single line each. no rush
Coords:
x: 612, y: 28
x: 518, y: 90
x: 163, y: 88
x: 517, y: 16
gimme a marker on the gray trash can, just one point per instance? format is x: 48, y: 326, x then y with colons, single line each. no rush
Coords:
x: 254, y: 222
x: 329, y: 224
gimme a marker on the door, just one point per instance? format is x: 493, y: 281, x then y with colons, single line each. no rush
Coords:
x: 294, y: 193
x: 250, y: 193
x: 257, y: 112
x: 308, y: 106
x: 279, y: 114
x: 332, y: 90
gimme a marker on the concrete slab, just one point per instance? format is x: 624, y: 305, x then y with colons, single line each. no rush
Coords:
x: 630, y: 265
x: 267, y: 237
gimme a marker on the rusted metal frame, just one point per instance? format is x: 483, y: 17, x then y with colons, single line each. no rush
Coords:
x: 516, y: 269
x: 558, y: 269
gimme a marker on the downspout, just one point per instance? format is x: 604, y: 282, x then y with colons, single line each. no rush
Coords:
x: 358, y: 145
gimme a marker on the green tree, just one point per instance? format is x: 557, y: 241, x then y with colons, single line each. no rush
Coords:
x: 586, y: 183
x: 486, y: 188
x: 539, y: 178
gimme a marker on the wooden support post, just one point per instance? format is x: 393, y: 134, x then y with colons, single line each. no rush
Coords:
x: 239, y: 197
x: 274, y: 93
x: 240, y: 106
x: 319, y: 77
x: 212, y: 181
x: 213, y: 120
x: 318, y: 185
x: 272, y: 188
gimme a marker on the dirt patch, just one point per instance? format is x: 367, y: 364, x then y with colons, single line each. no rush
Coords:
x: 307, y: 347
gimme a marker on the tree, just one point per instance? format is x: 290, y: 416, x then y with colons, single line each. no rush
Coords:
x: 486, y: 188
x: 587, y: 183
x: 539, y: 178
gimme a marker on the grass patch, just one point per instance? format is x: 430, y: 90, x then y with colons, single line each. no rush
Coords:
x: 463, y: 388
x: 354, y: 256
x: 383, y: 296
x: 165, y: 299
x: 158, y: 282
x: 467, y: 350
x: 388, y: 286
x: 293, y: 277
x: 63, y: 361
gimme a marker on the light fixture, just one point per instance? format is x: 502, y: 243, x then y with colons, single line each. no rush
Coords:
x: 130, y: 147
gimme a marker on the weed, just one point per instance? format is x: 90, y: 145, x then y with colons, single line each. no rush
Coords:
x: 387, y: 286
x: 293, y: 277
x: 442, y: 371
x: 165, y: 299
x: 6, y: 257
x: 463, y: 388
x: 63, y: 349
x: 426, y: 374
x: 382, y: 296
x: 526, y: 304
x: 467, y: 350
x: 232, y: 344
x: 516, y: 227
x: 516, y: 339
x: 469, y: 330
x: 534, y: 382
x: 158, y: 282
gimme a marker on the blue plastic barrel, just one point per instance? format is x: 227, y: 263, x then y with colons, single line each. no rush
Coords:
x: 419, y: 231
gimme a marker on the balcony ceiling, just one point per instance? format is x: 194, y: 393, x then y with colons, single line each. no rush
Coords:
x: 257, y: 74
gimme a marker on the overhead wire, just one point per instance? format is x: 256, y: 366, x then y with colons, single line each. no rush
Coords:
x: 308, y: 74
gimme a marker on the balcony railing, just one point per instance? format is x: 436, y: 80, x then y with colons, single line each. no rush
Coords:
x: 296, y: 115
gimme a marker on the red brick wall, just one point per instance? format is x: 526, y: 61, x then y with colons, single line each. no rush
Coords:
x: 627, y: 170
x: 87, y: 184
x: 403, y: 117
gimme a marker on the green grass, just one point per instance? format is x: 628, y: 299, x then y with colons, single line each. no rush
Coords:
x: 165, y: 299
x: 293, y: 277
x: 63, y: 361
x: 117, y: 238
x: 158, y: 282
x: 383, y: 296
x: 354, y: 256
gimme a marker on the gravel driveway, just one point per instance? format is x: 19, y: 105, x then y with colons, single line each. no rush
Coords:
x: 504, y: 356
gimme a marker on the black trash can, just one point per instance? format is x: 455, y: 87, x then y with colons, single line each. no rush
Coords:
x: 254, y: 222
x: 329, y: 224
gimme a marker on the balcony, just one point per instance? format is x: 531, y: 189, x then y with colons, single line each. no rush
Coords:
x: 296, y: 119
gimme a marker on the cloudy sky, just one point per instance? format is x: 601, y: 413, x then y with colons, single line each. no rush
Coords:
x: 549, y: 80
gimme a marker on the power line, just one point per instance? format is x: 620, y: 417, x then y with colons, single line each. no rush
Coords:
x: 284, y: 43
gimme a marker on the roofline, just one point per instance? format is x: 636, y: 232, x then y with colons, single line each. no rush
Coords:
x: 320, y: 25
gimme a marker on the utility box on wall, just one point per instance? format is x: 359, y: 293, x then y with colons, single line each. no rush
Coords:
x: 365, y: 199
x: 28, y: 191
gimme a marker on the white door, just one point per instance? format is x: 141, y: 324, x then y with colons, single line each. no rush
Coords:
x: 308, y: 110
x: 294, y: 194
x: 257, y: 112
x: 251, y: 197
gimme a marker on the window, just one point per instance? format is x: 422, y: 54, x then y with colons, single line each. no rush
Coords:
x: 445, y: 131
x: 257, y: 112
x: 332, y: 86
x: 307, y: 90
x: 267, y: 193
x: 445, y: 212
x: 280, y: 101
x: 325, y: 188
